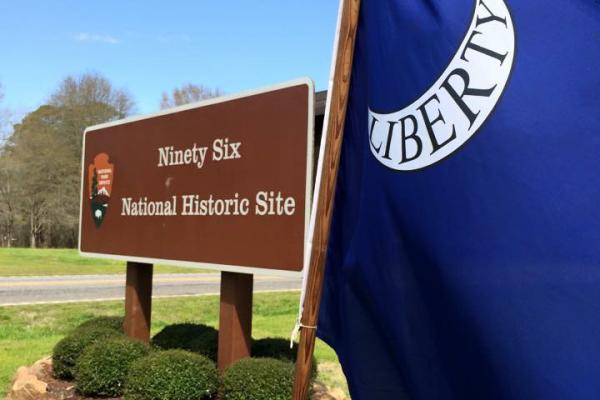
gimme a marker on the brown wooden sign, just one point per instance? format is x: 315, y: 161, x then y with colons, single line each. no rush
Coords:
x: 220, y: 184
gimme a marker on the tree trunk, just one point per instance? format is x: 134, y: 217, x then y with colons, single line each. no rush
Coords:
x: 32, y: 243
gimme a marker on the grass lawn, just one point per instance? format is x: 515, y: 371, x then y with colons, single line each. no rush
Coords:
x: 42, y: 262
x: 28, y: 333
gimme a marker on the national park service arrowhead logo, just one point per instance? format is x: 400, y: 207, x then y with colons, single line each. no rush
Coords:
x: 443, y: 118
x: 100, y: 180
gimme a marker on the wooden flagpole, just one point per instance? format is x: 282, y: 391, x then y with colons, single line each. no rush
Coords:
x: 335, y: 128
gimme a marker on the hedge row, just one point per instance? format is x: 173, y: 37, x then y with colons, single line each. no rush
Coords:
x: 179, y: 365
x: 172, y: 375
x: 259, y: 379
x: 103, y: 367
x: 197, y: 338
x: 68, y: 350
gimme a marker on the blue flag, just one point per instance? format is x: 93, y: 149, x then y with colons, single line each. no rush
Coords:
x: 464, y: 258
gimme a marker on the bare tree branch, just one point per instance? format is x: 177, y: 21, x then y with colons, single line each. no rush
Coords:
x: 188, y: 93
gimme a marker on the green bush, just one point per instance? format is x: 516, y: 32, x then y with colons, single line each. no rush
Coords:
x: 197, y: 338
x: 104, y: 322
x: 102, y: 368
x: 67, y: 351
x: 172, y: 375
x: 278, y: 348
x: 274, y: 348
x: 259, y: 379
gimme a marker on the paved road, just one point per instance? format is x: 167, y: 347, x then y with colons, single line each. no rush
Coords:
x: 62, y: 289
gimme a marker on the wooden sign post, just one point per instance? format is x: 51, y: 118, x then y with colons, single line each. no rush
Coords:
x: 334, y: 133
x: 138, y: 301
x: 235, y: 318
x: 222, y: 184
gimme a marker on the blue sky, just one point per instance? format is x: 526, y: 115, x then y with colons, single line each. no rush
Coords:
x: 152, y: 46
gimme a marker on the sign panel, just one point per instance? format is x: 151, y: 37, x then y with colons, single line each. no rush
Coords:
x: 219, y: 184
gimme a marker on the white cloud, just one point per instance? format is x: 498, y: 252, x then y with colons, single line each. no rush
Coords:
x: 93, y: 37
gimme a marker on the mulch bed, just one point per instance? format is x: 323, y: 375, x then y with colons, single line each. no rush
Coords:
x: 62, y: 390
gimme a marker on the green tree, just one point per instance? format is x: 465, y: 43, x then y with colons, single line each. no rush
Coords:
x: 4, y: 119
x: 7, y: 198
x: 8, y: 212
x: 45, y: 154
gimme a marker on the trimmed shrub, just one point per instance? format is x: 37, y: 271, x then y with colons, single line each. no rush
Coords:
x: 104, y: 322
x: 67, y: 351
x: 197, y: 338
x: 259, y: 379
x: 274, y: 348
x: 279, y: 349
x: 172, y: 375
x: 102, y: 368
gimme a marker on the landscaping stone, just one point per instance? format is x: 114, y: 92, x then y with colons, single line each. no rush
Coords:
x: 27, y: 384
x: 40, y: 366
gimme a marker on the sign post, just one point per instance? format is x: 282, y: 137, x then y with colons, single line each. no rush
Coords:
x: 221, y: 184
x: 235, y: 318
x: 138, y: 301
